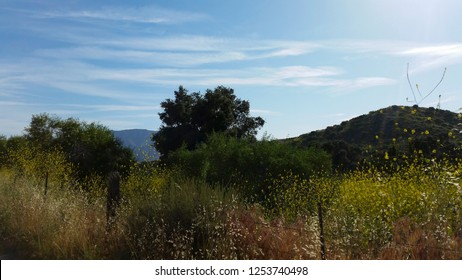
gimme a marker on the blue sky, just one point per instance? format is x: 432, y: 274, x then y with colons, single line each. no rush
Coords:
x: 303, y: 65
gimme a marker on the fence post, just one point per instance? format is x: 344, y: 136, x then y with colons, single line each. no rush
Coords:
x: 46, y: 183
x: 113, y: 196
x: 321, y: 231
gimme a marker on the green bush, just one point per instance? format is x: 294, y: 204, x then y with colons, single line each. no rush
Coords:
x: 362, y: 220
x: 45, y: 168
x: 247, y: 165
x: 90, y: 147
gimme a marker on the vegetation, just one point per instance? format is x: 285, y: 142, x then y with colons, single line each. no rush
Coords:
x: 91, y: 148
x: 246, y: 165
x: 412, y: 213
x: 190, y: 118
x: 233, y: 197
x: 397, y: 131
x: 368, y: 214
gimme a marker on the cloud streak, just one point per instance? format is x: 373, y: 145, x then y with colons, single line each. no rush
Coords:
x: 177, y: 51
x: 426, y: 56
x: 147, y: 14
x: 193, y: 51
x: 114, y: 107
x: 434, y: 56
x: 197, y: 60
x: 438, y: 50
x: 87, y: 79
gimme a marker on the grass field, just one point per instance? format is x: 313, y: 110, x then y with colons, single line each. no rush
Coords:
x: 410, y: 212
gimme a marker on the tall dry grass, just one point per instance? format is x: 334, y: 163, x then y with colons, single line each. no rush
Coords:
x: 63, y: 224
x: 413, y: 213
x: 182, y: 219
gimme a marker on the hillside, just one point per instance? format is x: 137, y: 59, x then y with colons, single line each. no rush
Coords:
x: 394, y: 130
x: 139, y: 140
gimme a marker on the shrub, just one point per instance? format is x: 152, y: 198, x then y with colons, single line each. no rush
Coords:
x: 45, y: 168
x: 361, y: 221
x: 247, y: 165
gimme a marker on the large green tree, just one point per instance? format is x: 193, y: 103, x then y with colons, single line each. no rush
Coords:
x: 188, y: 119
x: 91, y: 147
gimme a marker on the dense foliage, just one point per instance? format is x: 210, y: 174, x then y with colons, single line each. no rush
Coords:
x: 412, y: 213
x: 392, y: 132
x: 90, y: 148
x: 190, y: 118
x: 248, y: 165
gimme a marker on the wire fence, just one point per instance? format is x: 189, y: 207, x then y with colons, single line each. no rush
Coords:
x: 421, y: 250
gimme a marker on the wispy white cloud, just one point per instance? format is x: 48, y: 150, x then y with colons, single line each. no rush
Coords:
x: 184, y: 51
x: 115, y: 107
x: 389, y: 47
x: 112, y: 83
x: 425, y: 56
x: 253, y: 48
x: 12, y: 103
x: 265, y: 112
x: 191, y: 51
x: 363, y: 82
x: 189, y: 43
x: 434, y: 56
x: 438, y: 50
x: 291, y: 76
x: 174, y: 59
x: 291, y: 72
x: 147, y: 14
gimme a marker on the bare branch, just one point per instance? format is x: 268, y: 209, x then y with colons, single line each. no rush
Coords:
x: 418, y: 90
x: 410, y: 85
x: 442, y: 77
x: 422, y: 98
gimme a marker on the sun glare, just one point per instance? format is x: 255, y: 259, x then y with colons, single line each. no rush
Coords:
x: 414, y: 19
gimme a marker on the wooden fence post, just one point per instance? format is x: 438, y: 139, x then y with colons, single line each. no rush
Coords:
x: 321, y: 231
x: 46, y: 183
x: 113, y: 196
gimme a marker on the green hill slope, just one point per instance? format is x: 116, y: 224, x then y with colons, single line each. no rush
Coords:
x: 395, y: 131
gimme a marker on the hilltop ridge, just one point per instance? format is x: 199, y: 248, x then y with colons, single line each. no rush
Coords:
x: 392, y: 130
x: 139, y: 140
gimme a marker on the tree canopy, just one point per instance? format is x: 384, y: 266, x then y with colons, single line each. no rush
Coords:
x: 190, y: 118
x: 91, y: 147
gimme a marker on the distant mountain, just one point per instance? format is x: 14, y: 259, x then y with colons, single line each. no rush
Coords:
x: 395, y: 130
x: 139, y: 140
